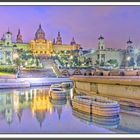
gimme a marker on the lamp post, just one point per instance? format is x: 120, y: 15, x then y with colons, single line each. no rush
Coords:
x: 135, y: 57
x: 128, y: 59
x: 17, y: 63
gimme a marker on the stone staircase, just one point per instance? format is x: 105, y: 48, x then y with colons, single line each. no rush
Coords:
x: 52, y: 65
x: 37, y: 73
x: 50, y: 70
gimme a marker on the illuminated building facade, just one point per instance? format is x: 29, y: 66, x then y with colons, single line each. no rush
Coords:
x: 8, y: 47
x: 103, y: 54
x: 42, y: 47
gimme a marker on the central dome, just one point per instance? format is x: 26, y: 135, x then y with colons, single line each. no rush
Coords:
x: 40, y: 34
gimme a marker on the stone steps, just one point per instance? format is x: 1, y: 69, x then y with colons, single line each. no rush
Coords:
x: 37, y: 74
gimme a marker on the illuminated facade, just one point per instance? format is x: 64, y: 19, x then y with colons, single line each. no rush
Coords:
x: 8, y: 47
x: 39, y: 46
x: 42, y: 47
x: 59, y: 46
x: 102, y: 55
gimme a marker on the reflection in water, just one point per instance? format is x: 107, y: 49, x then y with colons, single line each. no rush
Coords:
x: 57, y: 105
x: 34, y: 105
x: 40, y: 105
x: 71, y: 93
x: 19, y: 114
x: 107, y: 122
x: 36, y: 99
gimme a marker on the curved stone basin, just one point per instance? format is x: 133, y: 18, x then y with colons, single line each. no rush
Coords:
x: 57, y: 93
x: 56, y: 86
x: 96, y: 105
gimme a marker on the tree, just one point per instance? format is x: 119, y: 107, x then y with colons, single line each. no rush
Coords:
x: 26, y: 55
x: 131, y: 62
x: 37, y: 62
x: 113, y: 62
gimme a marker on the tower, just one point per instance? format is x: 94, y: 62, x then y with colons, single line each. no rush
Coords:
x: 19, y: 37
x: 130, y: 48
x: 101, y: 44
x: 101, y: 48
x: 40, y: 34
x: 8, y: 38
x: 59, y: 39
x: 73, y: 41
x: 130, y: 57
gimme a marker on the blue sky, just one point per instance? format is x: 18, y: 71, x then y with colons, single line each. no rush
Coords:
x: 85, y: 23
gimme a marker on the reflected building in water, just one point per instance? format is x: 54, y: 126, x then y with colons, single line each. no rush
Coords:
x: 6, y: 108
x: 16, y: 102
x: 106, y: 122
x: 58, y: 106
x: 37, y: 100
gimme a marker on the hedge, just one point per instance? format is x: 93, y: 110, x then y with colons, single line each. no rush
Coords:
x: 8, y: 69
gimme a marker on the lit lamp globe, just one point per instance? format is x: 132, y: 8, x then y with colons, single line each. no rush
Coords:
x: 128, y: 58
x: 15, y: 56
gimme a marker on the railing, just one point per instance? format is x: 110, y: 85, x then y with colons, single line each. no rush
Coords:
x: 56, y: 70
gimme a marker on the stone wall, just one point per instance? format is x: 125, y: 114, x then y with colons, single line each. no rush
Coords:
x: 126, y: 91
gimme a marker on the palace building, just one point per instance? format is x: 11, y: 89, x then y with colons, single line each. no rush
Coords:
x: 59, y: 46
x: 103, y: 54
x: 40, y: 46
x: 8, y: 48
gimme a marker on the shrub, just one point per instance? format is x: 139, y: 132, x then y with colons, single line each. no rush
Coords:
x: 8, y: 69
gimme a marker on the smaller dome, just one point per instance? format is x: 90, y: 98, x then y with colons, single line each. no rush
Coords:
x: 129, y: 41
x: 73, y: 41
x: 100, y: 38
x: 40, y: 34
x: 40, y: 30
x: 8, y: 32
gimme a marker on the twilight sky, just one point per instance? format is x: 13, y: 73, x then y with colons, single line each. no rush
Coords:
x: 85, y: 23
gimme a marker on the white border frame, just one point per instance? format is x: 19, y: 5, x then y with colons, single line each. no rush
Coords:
x: 69, y: 135
x: 69, y: 3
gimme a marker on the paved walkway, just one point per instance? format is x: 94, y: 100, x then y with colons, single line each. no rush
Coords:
x: 37, y: 73
x: 44, y: 81
x: 29, y: 82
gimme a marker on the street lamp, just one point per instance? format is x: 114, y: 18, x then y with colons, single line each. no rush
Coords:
x: 17, y: 62
x: 128, y: 59
x: 135, y: 56
x: 15, y: 56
